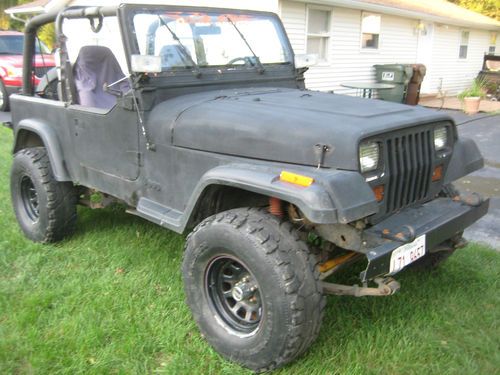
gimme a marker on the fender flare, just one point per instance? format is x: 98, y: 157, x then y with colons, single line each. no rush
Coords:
x: 466, y: 158
x: 335, y: 196
x: 50, y: 142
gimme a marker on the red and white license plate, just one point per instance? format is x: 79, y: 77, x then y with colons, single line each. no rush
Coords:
x: 407, y: 254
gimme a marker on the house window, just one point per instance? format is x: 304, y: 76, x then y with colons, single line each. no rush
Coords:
x: 370, y: 30
x: 464, y: 44
x: 493, y: 43
x: 318, y: 32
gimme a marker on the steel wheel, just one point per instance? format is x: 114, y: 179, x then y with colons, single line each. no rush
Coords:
x: 29, y: 198
x: 234, y: 294
x: 252, y: 287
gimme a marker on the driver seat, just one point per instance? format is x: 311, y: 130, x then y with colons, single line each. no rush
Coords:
x: 96, y: 66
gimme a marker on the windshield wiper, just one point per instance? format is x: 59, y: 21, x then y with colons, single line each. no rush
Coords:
x: 260, y: 67
x: 196, y: 71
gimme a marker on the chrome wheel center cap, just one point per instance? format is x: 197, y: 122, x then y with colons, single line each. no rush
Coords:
x: 237, y: 293
x: 242, y: 290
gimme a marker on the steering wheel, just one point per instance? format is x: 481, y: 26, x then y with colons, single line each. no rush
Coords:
x: 245, y: 59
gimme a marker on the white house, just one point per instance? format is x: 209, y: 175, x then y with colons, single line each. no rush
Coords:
x: 350, y: 36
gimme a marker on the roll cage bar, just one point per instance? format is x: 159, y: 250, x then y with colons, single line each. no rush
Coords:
x: 58, y: 16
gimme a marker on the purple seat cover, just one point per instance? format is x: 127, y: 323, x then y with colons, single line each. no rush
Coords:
x: 94, y: 67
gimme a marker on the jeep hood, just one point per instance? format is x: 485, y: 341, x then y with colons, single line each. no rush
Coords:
x: 284, y: 125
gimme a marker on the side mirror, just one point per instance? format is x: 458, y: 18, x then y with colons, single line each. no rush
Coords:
x: 146, y: 64
x: 305, y: 60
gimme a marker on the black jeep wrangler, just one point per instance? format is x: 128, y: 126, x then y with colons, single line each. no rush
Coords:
x: 213, y: 133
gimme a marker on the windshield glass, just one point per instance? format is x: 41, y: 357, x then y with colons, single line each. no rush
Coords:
x: 13, y: 45
x: 187, y: 39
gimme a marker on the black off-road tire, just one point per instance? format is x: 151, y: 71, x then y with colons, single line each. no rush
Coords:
x: 287, y: 279
x: 45, y: 208
x: 4, y: 98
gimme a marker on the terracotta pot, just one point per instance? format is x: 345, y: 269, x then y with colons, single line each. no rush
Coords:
x: 471, y: 104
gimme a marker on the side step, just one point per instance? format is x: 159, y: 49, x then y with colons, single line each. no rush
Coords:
x: 162, y: 215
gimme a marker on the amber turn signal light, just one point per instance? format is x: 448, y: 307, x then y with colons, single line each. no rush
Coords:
x: 296, y: 179
x: 437, y: 174
x: 379, y: 192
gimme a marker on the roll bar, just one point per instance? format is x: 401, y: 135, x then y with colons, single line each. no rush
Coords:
x: 56, y: 16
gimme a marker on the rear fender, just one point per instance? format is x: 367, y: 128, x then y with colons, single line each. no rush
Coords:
x: 50, y: 141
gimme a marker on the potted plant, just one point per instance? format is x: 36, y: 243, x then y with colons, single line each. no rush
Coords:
x: 471, y: 96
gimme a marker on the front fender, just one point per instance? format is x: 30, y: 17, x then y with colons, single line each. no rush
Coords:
x: 334, y: 197
x: 466, y: 159
x: 50, y: 141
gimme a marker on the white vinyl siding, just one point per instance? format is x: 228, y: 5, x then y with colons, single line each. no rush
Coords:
x: 293, y: 15
x: 347, y: 60
x: 447, y: 69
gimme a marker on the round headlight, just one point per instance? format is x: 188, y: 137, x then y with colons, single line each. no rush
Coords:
x: 440, y: 138
x: 368, y: 156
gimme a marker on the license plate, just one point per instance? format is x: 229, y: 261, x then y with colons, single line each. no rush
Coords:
x: 407, y: 254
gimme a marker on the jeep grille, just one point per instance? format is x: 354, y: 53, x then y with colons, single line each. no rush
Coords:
x: 409, y: 163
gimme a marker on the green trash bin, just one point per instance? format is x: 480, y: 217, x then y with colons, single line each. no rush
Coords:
x: 396, y: 74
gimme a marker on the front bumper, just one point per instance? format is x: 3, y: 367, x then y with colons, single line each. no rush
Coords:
x: 439, y: 220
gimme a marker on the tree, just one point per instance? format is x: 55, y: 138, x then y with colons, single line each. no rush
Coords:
x: 488, y: 8
x: 4, y: 18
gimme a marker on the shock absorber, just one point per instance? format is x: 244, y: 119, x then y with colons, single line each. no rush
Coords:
x: 276, y: 207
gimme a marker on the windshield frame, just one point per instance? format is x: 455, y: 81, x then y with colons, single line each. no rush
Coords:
x: 127, y: 12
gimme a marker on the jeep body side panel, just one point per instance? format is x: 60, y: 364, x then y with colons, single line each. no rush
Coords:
x: 66, y: 133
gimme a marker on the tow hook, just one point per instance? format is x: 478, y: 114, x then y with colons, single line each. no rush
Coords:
x: 386, y: 286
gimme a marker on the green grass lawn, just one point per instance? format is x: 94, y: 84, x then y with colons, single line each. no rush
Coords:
x: 110, y: 300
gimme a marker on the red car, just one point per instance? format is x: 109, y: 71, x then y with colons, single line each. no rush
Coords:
x: 11, y: 64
